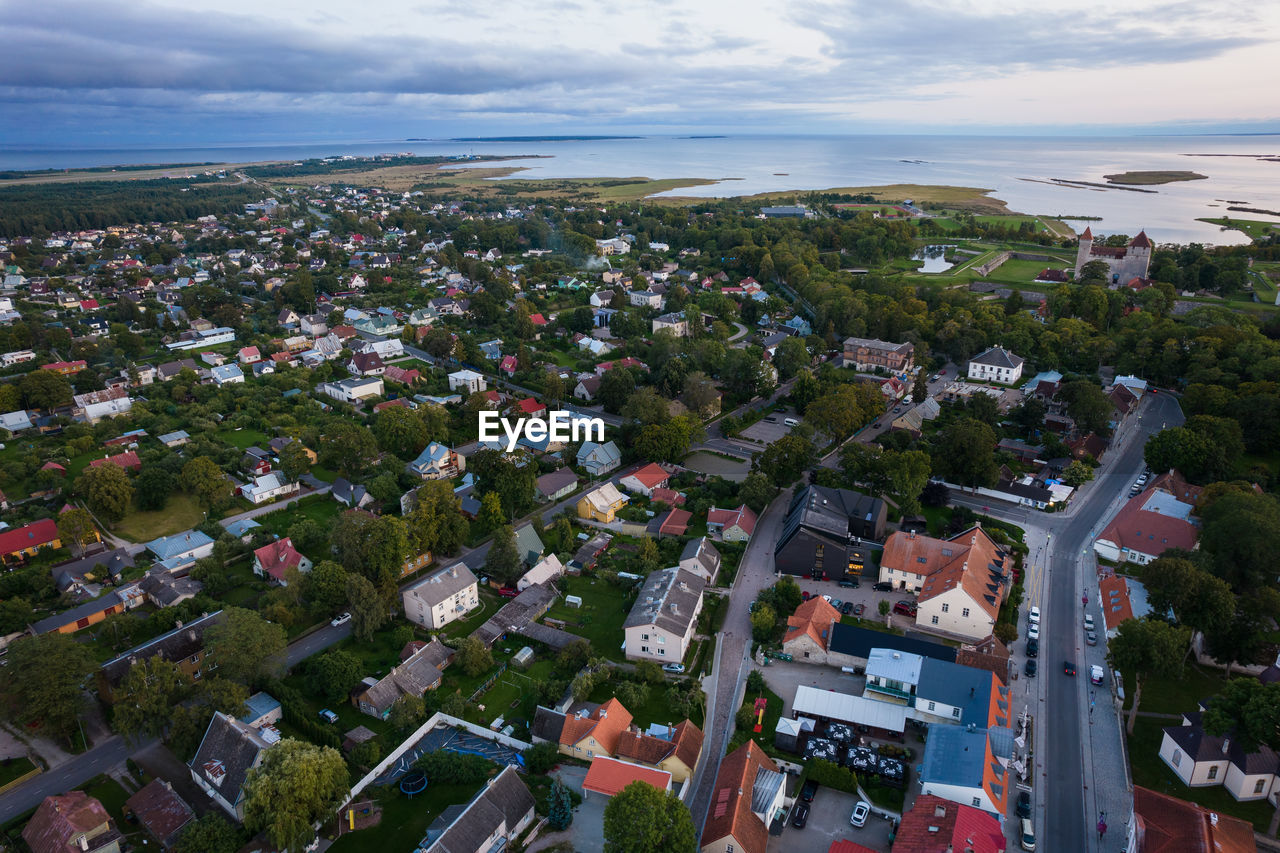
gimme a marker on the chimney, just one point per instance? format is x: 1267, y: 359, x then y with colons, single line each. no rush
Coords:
x: 1213, y: 818
x: 939, y: 810
x: 1226, y: 744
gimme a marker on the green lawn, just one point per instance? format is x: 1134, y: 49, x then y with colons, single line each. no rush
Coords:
x: 13, y: 768
x: 490, y: 601
x: 505, y: 696
x: 182, y: 512
x: 599, y: 619
x: 319, y: 508
x: 242, y: 438
x: 655, y: 710
x: 111, y: 795
x: 404, y: 820
x: 1175, y: 695
x: 1253, y: 227
x: 772, y: 713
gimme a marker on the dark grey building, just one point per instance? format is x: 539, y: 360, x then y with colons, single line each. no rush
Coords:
x: 825, y: 531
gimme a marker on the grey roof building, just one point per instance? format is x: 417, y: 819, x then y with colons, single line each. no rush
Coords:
x: 181, y: 644
x: 495, y: 817
x: 701, y: 557
x: 418, y: 674
x: 100, y: 566
x: 822, y: 528
x: 229, y: 750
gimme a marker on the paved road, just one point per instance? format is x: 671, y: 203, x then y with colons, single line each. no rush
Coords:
x: 66, y: 776
x: 318, y: 487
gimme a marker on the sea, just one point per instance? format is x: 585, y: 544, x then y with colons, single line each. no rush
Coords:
x: 1025, y: 172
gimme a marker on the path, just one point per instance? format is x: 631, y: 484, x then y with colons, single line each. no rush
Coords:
x: 66, y: 776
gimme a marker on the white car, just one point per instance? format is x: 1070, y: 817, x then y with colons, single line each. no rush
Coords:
x: 1096, y: 674
x: 340, y: 620
x: 860, y: 813
x: 1033, y: 616
x: 1088, y: 621
x: 1033, y: 632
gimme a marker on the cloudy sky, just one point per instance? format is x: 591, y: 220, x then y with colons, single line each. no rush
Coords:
x: 159, y: 72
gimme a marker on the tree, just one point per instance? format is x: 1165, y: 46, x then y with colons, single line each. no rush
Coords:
x: 399, y: 430
x: 846, y: 410
x: 908, y: 472
x: 983, y: 407
x: 763, y: 620
x: 368, y: 612
x: 1198, y: 599
x: 647, y: 554
x: 559, y: 805
x: 1094, y: 271
x: 107, y: 491
x: 786, y: 459
x: 541, y: 758
x: 1076, y: 474
x: 297, y: 785
x: 1088, y: 406
x: 326, y: 585
x: 76, y: 528
x: 44, y: 389
x: 1147, y: 648
x: 407, y: 712
x: 700, y: 394
x: 308, y: 535
x: 790, y: 356
x: 966, y: 453
x: 616, y: 387
x: 44, y: 681
x: 348, y: 448
x: 474, y: 656
x: 1249, y: 712
x: 211, y: 833
x: 920, y: 387
x: 295, y: 461
x: 643, y: 819
x: 146, y: 696
x: 436, y: 524
x: 206, y: 481
x: 503, y: 561
x: 1240, y: 532
x: 153, y: 487
x: 491, y: 515
x: 332, y: 675
x: 247, y: 647
x: 884, y: 608
x: 1182, y: 449
x: 756, y: 491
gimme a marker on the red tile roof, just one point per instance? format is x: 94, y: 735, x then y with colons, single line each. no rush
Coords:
x: 964, y: 560
x: 1142, y: 241
x: 34, y: 535
x: 675, y: 523
x: 609, y: 776
x: 1148, y: 532
x: 813, y: 617
x: 670, y: 497
x: 530, y: 406
x: 59, y: 819
x: 935, y: 824
x: 538, y: 319
x: 278, y: 557
x: 606, y: 724
x: 730, y: 814
x: 651, y: 475
x: 742, y: 517
x: 1115, y: 601
x: 1169, y: 825
x: 128, y: 460
x: 843, y: 846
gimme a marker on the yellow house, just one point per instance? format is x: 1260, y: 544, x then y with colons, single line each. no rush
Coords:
x: 678, y: 756
x: 595, y: 734
x: 601, y: 504
x: 17, y: 545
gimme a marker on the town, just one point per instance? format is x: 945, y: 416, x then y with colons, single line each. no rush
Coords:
x: 309, y: 542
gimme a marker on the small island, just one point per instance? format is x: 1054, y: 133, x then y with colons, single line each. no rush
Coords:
x: 1143, y: 178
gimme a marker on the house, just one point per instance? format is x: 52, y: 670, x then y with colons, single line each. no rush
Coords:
x: 418, y: 673
x: 674, y: 323
x: 404, y: 377
x: 701, y: 558
x: 287, y: 318
x: 71, y: 822
x: 661, y: 623
x: 165, y: 590
x: 467, y: 381
x: 181, y: 550
x: 557, y: 484
x: 959, y: 582
x: 545, y: 571
x: 1201, y: 760
x: 183, y: 645
x: 277, y: 559
x: 599, y: 459
x: 969, y: 765
x: 267, y: 488
x: 442, y: 597
x: 492, y: 821
x: 867, y: 354
x: 350, y: 494
x: 673, y: 522
x: 160, y: 811
x: 366, y: 364
x: 227, y: 374
x: 65, y: 368
x: 851, y: 646
x: 128, y: 460
x: 437, y: 462
x: 645, y: 299
x: 912, y: 420
x: 355, y: 389
x: 733, y: 525
x: 16, y: 421
x: 96, y: 568
x: 250, y: 355
x: 96, y: 405
x: 1113, y: 592
x: 824, y: 530
x: 529, y: 407
x: 996, y: 365
x: 675, y: 750
x: 933, y: 821
x: 228, y: 751
x: 243, y: 528
x: 748, y: 796
x: 586, y: 735
x: 1164, y: 824
x: 174, y: 439
x: 19, y: 543
x: 315, y: 325
x: 601, y: 504
x: 809, y: 630
x: 609, y: 776
x: 645, y: 480
x: 1147, y: 526
x: 528, y: 545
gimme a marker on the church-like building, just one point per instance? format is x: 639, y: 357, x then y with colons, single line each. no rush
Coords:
x: 1126, y: 263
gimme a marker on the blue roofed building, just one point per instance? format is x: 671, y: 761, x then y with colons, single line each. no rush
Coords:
x: 261, y: 709
x: 180, y: 551
x: 227, y: 374
x: 599, y: 458
x: 243, y: 528
x: 973, y: 767
x: 437, y: 462
x: 800, y: 324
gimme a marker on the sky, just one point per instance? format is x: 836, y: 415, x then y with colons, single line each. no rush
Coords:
x: 97, y: 73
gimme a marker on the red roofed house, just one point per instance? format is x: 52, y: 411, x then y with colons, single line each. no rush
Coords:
x: 748, y: 794
x: 65, y: 368
x: 809, y: 630
x: 935, y: 824
x: 161, y: 811
x: 844, y: 846
x: 735, y: 525
x: 17, y: 544
x: 645, y: 480
x: 530, y: 407
x: 1146, y: 527
x: 71, y: 823
x: 89, y: 305
x: 538, y: 320
x: 608, y: 776
x: 674, y: 523
x: 397, y: 403
x: 670, y: 497
x: 404, y: 377
x: 1116, y: 606
x: 596, y: 733
x: 508, y: 365
x: 128, y: 460
x: 277, y: 558
x: 1165, y: 824
x: 250, y: 355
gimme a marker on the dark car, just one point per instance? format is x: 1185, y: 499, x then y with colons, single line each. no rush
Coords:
x: 846, y: 608
x: 849, y: 583
x: 1029, y: 669
x: 1024, y: 804
x: 905, y: 607
x: 804, y: 596
x: 883, y: 586
x: 806, y: 793
x: 1068, y: 667
x: 800, y: 815
x: 1033, y: 648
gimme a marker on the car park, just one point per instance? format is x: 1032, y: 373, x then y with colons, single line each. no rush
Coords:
x: 1068, y: 667
x: 340, y: 620
x: 807, y: 792
x: 883, y: 586
x: 1024, y: 804
x: 849, y: 583
x: 1029, y: 668
x: 1096, y: 674
x: 827, y: 599
x: 859, y: 609
x: 1033, y: 615
x: 907, y: 608
x: 1033, y: 632
x: 1091, y: 637
x: 1027, y: 835
x: 860, y: 813
x: 800, y: 815
x: 673, y: 667
x: 836, y: 603
x: 1033, y: 648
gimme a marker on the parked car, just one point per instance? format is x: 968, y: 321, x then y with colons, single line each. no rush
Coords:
x: 800, y: 815
x: 1033, y: 615
x: 1029, y: 668
x: 883, y: 586
x: 1033, y: 648
x: 508, y: 592
x: 846, y: 608
x: 810, y: 788
x: 328, y: 716
x: 1033, y: 632
x: 860, y: 813
x: 859, y: 609
x: 849, y: 583
x: 1088, y: 621
x: 805, y: 596
x: 1027, y: 835
x: 340, y: 620
x: 673, y: 667
x: 837, y: 603
x: 1091, y: 637
x: 1096, y: 674
x: 1068, y: 667
x: 907, y: 608
x: 1024, y: 804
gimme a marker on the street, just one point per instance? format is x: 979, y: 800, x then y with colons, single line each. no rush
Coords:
x: 65, y: 777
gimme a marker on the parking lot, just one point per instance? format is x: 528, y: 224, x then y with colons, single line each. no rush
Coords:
x: 828, y: 822
x: 865, y: 595
x: 770, y: 428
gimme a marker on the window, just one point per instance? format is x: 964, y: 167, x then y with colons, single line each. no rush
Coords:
x: 946, y: 608
x: 977, y: 802
x: 933, y: 705
x: 644, y: 648
x: 195, y: 658
x: 662, y: 652
x: 1213, y: 772
x: 933, y: 620
x: 964, y: 612
x: 662, y: 640
x: 1177, y: 757
x: 644, y: 636
x: 955, y: 712
x: 1258, y: 786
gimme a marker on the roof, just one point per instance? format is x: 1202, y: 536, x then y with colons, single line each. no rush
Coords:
x: 730, y: 814
x: 934, y: 822
x: 895, y: 665
x: 277, y: 558
x: 160, y: 810
x: 609, y: 776
x: 111, y: 562
x: 1168, y: 825
x: 606, y: 724
x: 1149, y: 526
x: 549, y: 484
x: 37, y: 534
x: 685, y: 744
x: 603, y: 498
x: 528, y: 544
x: 504, y: 801
x: 998, y: 357
x: 1116, y: 606
x: 858, y: 642
x: 651, y: 475
x: 226, y: 754
x: 1199, y: 745
x: 182, y: 642
x: 827, y: 513
x: 167, y: 547
x: 963, y: 687
x: 967, y: 758
x: 674, y: 522
x: 113, y: 598
x: 1142, y: 241
x: 419, y: 673
x: 1173, y: 483
x: 668, y: 600
x: 971, y: 560
x: 845, y: 708
x: 602, y: 453
x: 443, y: 584
x: 128, y: 459
x: 742, y: 518
x: 704, y: 553
x: 59, y: 819
x: 548, y: 724
x: 259, y: 705
x: 813, y: 618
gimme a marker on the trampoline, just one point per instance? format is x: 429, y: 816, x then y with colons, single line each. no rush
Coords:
x: 415, y: 782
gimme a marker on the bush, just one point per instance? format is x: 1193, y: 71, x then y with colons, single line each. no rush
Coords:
x: 540, y: 758
x: 755, y: 681
x: 455, y: 768
x: 831, y: 775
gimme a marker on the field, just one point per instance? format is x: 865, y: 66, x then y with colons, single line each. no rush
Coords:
x: 971, y: 199
x: 182, y: 512
x: 243, y: 438
x: 600, y: 617
x: 1253, y: 227
x: 1149, y: 178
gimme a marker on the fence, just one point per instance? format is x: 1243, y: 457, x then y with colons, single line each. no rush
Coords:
x: 489, y: 683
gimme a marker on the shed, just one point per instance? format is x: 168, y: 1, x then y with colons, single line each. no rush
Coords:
x: 573, y: 600
x: 522, y: 657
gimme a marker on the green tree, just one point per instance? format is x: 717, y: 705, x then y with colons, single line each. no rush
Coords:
x: 436, y: 524
x: 332, y: 675
x: 407, y: 713
x: 541, y: 758
x: 297, y: 785
x: 1248, y: 711
x: 1180, y: 448
x: 1094, y: 271
x: 1198, y: 599
x: 884, y: 608
x: 326, y: 585
x: 76, y: 528
x: 211, y: 833
x: 401, y: 431
x: 503, y: 562
x: 763, y: 620
x: 146, y: 696
x: 616, y: 387
x: 700, y: 394
x: 786, y: 459
x: 647, y: 554
x: 107, y: 491
x: 642, y: 819
x: 202, y: 478
x: 295, y: 461
x: 1240, y: 532
x: 491, y: 515
x: 920, y: 387
x: 348, y: 448
x: 790, y: 356
x: 1076, y: 474
x: 908, y: 473
x: 1088, y: 406
x: 559, y: 806
x: 1147, y: 648
x: 966, y: 453
x: 756, y: 491
x: 44, y: 389
x: 246, y: 647
x: 368, y: 611
x: 474, y: 656
x: 44, y: 681
x: 153, y: 487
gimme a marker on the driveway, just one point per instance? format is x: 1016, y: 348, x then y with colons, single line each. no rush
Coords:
x: 587, y: 829
x: 829, y: 822
x: 783, y: 678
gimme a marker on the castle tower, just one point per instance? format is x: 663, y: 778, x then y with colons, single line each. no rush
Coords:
x: 1137, y: 258
x: 1082, y: 254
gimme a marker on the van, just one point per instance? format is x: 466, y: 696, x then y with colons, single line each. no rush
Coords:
x: 791, y: 422
x: 1027, y: 835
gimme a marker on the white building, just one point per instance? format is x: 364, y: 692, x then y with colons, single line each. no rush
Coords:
x: 996, y: 365
x: 661, y: 623
x: 355, y: 389
x: 267, y: 488
x: 442, y: 597
x: 467, y: 381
